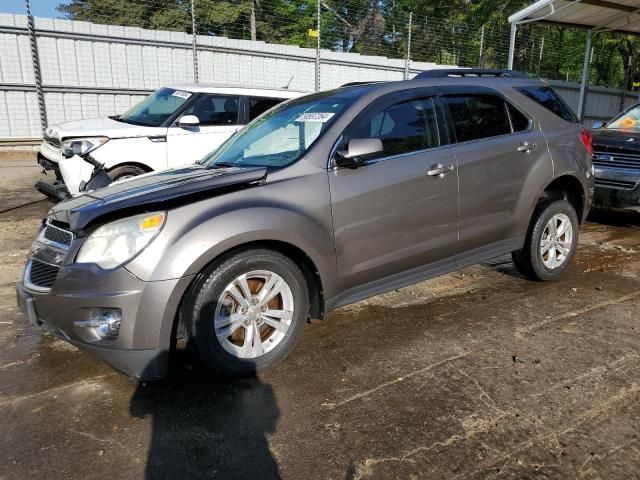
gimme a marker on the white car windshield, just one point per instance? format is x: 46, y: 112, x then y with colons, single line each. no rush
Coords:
x: 282, y: 135
x: 154, y: 110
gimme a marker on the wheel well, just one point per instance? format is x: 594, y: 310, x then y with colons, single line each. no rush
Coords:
x: 144, y: 167
x: 568, y: 188
x: 308, y: 268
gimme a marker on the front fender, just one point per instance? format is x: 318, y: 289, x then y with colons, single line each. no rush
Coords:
x: 187, y: 247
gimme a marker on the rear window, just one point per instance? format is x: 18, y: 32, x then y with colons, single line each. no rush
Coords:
x: 550, y: 100
x: 258, y: 105
x: 478, y: 116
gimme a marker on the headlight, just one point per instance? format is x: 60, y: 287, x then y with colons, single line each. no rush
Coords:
x: 114, y: 243
x: 82, y: 146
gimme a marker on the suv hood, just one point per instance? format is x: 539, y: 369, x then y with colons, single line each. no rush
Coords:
x: 158, y: 190
x: 99, y: 127
x: 610, y: 140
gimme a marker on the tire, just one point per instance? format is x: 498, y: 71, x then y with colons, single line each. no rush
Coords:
x: 125, y: 171
x: 532, y: 261
x: 211, y: 310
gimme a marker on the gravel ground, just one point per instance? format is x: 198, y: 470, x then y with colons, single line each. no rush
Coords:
x: 477, y: 374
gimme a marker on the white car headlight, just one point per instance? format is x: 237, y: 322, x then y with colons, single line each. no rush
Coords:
x: 82, y: 146
x: 113, y: 244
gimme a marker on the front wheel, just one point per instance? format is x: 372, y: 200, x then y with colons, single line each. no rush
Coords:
x: 125, y: 171
x: 551, y: 242
x: 247, y: 313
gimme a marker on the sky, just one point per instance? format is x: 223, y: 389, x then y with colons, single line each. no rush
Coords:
x: 39, y: 8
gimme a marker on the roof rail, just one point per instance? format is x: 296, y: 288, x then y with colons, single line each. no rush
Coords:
x: 470, y: 72
x: 353, y: 84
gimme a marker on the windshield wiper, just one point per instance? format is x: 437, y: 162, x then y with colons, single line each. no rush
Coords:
x: 223, y: 165
x: 115, y: 117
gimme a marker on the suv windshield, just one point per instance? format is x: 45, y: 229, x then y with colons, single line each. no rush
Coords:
x: 282, y: 135
x: 629, y: 120
x: 154, y: 110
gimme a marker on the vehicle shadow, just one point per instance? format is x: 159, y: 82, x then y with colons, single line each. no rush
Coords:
x: 614, y: 218
x: 205, y: 426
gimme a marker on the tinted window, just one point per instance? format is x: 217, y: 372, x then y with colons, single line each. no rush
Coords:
x: 550, y: 100
x: 215, y: 110
x: 478, y: 116
x: 404, y: 127
x: 257, y: 106
x: 519, y: 121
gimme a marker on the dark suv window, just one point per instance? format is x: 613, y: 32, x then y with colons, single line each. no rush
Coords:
x: 215, y: 109
x: 404, y: 127
x: 478, y: 116
x: 257, y: 106
x: 519, y: 121
x: 550, y: 100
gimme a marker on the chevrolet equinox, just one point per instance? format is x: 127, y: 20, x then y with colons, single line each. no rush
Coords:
x: 320, y: 202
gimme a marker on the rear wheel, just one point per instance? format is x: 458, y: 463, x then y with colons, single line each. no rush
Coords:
x: 248, y: 312
x: 125, y: 171
x: 551, y: 242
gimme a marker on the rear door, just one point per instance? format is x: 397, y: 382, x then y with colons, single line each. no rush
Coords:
x: 219, y: 117
x: 498, y: 147
x: 389, y: 215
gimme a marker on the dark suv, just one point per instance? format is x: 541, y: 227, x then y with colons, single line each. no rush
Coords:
x: 322, y: 201
x: 616, y: 160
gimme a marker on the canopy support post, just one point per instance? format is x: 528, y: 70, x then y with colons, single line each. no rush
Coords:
x: 585, y: 75
x: 512, y: 45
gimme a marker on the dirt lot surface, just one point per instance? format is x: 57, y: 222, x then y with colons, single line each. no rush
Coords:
x: 477, y: 374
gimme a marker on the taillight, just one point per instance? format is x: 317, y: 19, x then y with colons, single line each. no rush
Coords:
x: 587, y: 137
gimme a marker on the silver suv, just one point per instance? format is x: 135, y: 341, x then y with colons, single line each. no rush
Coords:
x: 321, y: 202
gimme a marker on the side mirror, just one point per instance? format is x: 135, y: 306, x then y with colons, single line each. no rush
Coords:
x: 358, y: 150
x: 188, y: 121
x: 598, y: 124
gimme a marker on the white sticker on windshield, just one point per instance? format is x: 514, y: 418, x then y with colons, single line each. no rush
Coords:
x: 181, y: 94
x: 315, y: 117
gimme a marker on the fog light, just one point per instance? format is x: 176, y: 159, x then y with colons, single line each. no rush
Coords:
x: 104, y: 321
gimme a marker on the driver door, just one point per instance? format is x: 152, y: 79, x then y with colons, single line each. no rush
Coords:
x: 390, y: 215
x: 219, y: 117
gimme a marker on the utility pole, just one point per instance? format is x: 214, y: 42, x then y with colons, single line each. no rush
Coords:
x: 318, y: 47
x: 480, y: 62
x: 194, y: 36
x: 407, y: 60
x: 35, y: 58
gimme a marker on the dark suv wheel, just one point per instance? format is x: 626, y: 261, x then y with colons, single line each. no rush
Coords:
x: 551, y: 241
x: 247, y: 312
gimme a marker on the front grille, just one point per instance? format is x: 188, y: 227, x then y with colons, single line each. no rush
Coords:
x: 58, y: 235
x: 616, y: 159
x: 42, y: 274
x: 605, y: 182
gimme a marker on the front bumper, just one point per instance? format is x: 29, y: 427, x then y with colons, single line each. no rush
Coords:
x: 142, y: 346
x: 617, y: 188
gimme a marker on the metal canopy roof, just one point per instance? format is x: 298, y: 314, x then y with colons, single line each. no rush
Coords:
x: 599, y: 15
x: 594, y: 15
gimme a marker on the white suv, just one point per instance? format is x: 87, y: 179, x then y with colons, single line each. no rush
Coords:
x: 174, y: 126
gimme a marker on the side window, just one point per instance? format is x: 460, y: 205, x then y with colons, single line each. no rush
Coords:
x: 519, y: 121
x: 404, y: 127
x: 258, y: 105
x: 215, y: 109
x: 549, y: 99
x: 478, y: 116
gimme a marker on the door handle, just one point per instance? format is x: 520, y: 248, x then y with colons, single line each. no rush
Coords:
x: 439, y: 170
x: 526, y: 147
